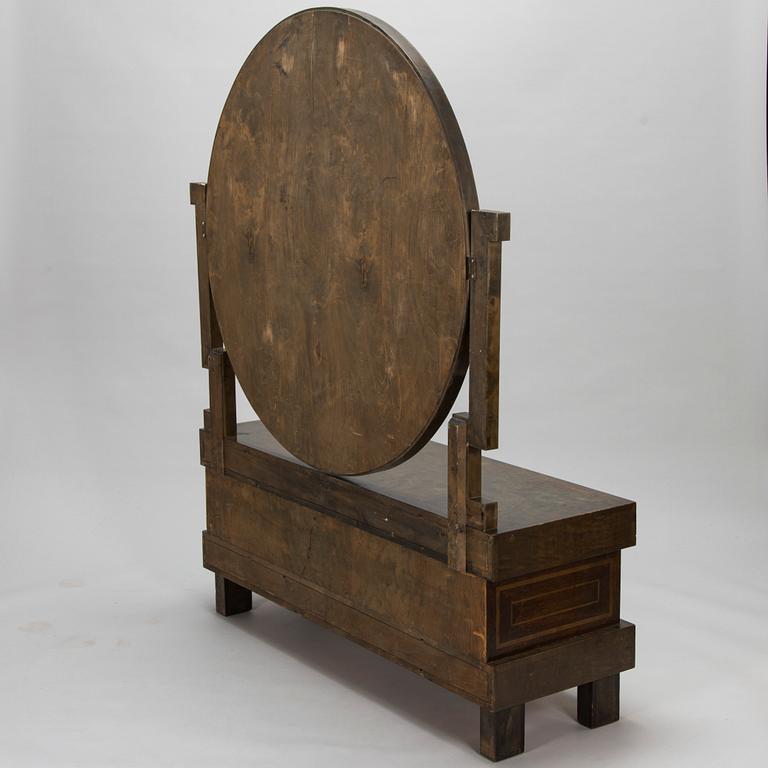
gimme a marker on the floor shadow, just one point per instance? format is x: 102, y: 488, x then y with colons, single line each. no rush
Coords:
x: 431, y: 707
x: 420, y: 701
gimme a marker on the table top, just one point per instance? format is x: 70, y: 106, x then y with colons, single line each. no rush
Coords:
x: 337, y: 241
x: 525, y: 498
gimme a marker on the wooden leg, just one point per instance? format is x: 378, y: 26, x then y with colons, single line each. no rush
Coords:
x: 502, y: 733
x: 598, y: 702
x: 231, y: 598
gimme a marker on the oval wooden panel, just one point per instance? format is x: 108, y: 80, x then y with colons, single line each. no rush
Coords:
x: 337, y: 229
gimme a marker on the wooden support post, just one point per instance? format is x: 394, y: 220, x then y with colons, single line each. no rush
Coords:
x: 231, y: 598
x: 502, y: 733
x: 598, y: 702
x: 458, y: 478
x: 223, y: 416
x: 210, y: 335
x: 481, y: 514
x: 465, y: 504
x: 487, y: 231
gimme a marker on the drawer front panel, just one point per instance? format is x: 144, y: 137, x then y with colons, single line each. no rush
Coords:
x: 554, y: 604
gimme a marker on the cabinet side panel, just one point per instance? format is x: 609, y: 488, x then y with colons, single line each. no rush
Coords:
x: 403, y: 588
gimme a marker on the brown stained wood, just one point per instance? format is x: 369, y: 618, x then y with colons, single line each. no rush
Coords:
x: 543, y: 522
x: 346, y: 270
x: 231, y: 598
x: 488, y: 230
x: 502, y: 733
x: 566, y: 540
x: 458, y: 487
x: 598, y: 702
x: 415, y: 528
x: 496, y: 686
x: 210, y: 335
x: 466, y: 678
x: 558, y: 603
x: 419, y: 595
x: 197, y: 197
x: 337, y: 232
x: 221, y: 384
x: 525, y: 498
x: 556, y: 666
x: 483, y: 514
x: 205, y: 448
x: 520, y: 678
x: 474, y: 459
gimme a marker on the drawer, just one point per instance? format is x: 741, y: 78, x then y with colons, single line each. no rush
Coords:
x: 551, y: 605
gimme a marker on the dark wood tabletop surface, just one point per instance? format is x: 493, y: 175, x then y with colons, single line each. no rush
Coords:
x: 525, y: 498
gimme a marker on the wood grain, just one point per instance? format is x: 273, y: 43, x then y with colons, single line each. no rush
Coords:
x: 419, y: 595
x: 553, y: 667
x: 502, y: 733
x: 557, y: 603
x: 598, y: 702
x: 496, y: 686
x: 488, y: 230
x: 543, y: 522
x: 231, y: 598
x: 458, y: 492
x: 348, y: 278
x: 210, y: 335
x: 411, y: 527
x: 468, y: 679
x: 221, y: 386
x: 337, y: 235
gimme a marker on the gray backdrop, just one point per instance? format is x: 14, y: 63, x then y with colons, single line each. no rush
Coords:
x: 628, y: 141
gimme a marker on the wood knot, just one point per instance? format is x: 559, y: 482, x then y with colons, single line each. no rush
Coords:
x: 362, y: 263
